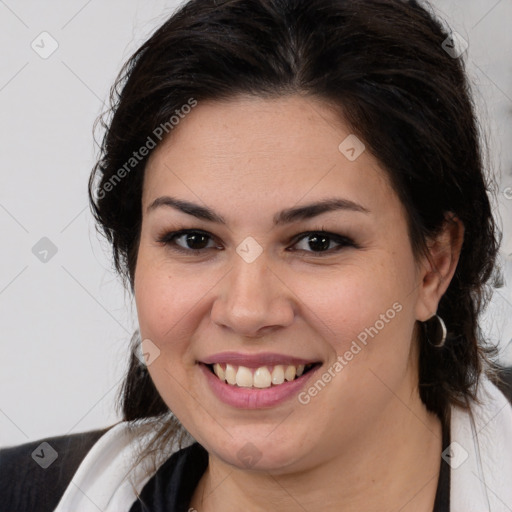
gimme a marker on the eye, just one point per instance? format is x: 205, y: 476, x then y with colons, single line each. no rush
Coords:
x: 187, y: 240
x: 320, y: 242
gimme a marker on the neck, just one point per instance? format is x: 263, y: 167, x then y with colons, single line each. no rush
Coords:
x: 395, y: 466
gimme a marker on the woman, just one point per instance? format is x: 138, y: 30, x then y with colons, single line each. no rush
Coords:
x: 294, y: 192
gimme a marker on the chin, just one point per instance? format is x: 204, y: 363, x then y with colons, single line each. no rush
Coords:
x: 260, y: 453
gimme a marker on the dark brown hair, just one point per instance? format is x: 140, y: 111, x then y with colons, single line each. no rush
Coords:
x: 382, y: 65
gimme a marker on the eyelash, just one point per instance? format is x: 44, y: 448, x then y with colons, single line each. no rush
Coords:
x: 168, y: 239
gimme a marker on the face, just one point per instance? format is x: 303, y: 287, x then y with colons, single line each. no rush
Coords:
x: 237, y: 267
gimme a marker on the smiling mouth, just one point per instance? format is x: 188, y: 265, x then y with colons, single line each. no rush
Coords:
x: 259, y: 378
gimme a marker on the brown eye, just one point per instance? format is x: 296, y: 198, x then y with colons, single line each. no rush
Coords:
x: 195, y: 241
x: 322, y: 242
x: 187, y: 240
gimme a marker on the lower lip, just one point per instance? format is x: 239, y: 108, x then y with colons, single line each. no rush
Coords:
x: 253, y: 398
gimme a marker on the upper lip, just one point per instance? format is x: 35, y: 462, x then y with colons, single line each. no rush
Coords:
x: 256, y: 360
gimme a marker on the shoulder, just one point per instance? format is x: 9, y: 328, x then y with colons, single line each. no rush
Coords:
x: 34, y: 475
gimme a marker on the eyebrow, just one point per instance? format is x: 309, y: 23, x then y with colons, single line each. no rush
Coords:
x: 286, y: 216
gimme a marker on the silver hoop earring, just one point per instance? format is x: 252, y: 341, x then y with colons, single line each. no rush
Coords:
x: 439, y: 331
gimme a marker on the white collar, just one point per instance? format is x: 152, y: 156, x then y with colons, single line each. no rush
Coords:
x: 481, y: 462
x: 106, y: 479
x: 483, y: 481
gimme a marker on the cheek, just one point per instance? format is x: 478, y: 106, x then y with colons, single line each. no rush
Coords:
x: 359, y: 301
x: 367, y: 319
x: 165, y: 301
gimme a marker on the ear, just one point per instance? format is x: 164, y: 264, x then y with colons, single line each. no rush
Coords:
x: 438, y: 266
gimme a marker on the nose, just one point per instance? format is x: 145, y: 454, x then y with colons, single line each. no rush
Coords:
x: 253, y: 300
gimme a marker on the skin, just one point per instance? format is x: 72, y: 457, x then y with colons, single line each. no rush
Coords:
x: 366, y: 441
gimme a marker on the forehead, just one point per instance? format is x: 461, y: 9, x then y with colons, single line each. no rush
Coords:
x: 265, y: 154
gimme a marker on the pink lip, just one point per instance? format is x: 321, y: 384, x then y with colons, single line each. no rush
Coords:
x: 255, y: 360
x: 250, y: 398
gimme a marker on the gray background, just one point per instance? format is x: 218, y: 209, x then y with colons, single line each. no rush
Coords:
x: 66, y: 321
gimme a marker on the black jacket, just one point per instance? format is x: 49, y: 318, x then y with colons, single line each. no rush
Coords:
x: 25, y: 486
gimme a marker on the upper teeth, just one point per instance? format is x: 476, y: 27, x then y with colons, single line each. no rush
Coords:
x: 262, y: 377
